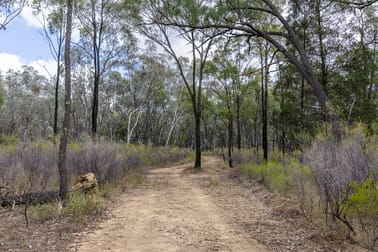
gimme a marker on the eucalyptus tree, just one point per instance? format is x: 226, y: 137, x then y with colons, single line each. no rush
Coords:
x: 127, y: 102
x: 237, y: 54
x: 62, y: 164
x: 355, y: 89
x: 25, y: 111
x: 228, y: 74
x: 151, y: 24
x: 175, y: 112
x: 9, y: 10
x: 54, y: 34
x: 224, y: 87
x: 238, y: 18
x: 104, y: 41
x: 152, y: 76
x: 82, y: 93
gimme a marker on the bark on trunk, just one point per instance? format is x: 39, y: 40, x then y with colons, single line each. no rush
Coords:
x: 96, y: 63
x: 304, y: 66
x: 197, y: 164
x: 57, y: 95
x: 238, y: 121
x: 63, y: 178
x: 230, y: 140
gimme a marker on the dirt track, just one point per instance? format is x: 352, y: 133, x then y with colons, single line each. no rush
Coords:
x: 183, y: 211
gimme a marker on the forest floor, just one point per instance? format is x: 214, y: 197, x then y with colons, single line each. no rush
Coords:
x: 177, y: 209
x: 181, y: 210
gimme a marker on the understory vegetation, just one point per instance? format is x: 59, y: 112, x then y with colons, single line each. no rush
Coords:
x: 336, y: 183
x: 31, y: 167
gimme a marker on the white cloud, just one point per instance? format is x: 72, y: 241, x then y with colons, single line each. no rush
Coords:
x: 15, y: 62
x: 30, y: 18
x: 36, y: 21
x: 9, y: 61
x: 179, y: 45
x: 45, y: 67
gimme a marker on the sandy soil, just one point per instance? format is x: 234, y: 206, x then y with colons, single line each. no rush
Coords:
x: 173, y: 214
x: 178, y: 210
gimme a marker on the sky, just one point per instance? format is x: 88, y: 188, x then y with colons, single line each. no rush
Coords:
x: 22, y: 44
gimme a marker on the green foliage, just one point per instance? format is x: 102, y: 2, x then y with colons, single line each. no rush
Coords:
x: 363, y: 206
x: 352, y: 92
x: 364, y: 200
x: 11, y: 139
x: 75, y: 147
x: 46, y: 212
x: 276, y: 175
x: 80, y: 205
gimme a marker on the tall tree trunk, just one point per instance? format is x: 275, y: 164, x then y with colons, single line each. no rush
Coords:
x: 238, y: 121
x: 62, y: 165
x: 57, y: 94
x: 147, y: 129
x: 197, y: 164
x: 264, y: 97
x: 323, y: 64
x: 303, y: 79
x: 304, y: 66
x: 95, y: 107
x: 96, y: 63
x: 230, y: 140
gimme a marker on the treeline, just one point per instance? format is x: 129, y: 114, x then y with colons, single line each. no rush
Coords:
x: 246, y: 92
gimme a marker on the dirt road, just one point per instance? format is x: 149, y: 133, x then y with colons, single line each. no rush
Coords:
x: 174, y: 214
x: 183, y: 211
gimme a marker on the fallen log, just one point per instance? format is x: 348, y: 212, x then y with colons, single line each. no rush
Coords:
x: 29, y: 198
x: 85, y: 184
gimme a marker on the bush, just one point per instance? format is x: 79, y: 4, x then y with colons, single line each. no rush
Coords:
x: 39, y: 161
x: 334, y: 165
x: 46, y: 212
x: 362, y: 204
x: 80, y: 205
x: 275, y: 175
x: 32, y: 166
x: 9, y: 139
x: 99, y: 158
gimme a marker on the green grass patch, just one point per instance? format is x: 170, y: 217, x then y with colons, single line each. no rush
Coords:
x: 46, y: 212
x: 276, y: 175
x: 83, y: 205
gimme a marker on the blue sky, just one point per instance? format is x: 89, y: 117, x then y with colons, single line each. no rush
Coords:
x: 22, y: 44
x: 22, y: 39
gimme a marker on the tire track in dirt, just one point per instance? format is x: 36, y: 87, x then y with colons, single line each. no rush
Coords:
x: 172, y: 214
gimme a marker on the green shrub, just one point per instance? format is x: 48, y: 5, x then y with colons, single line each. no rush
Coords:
x: 79, y: 205
x: 363, y: 206
x: 9, y: 139
x: 275, y: 175
x: 45, y: 212
x: 364, y: 201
